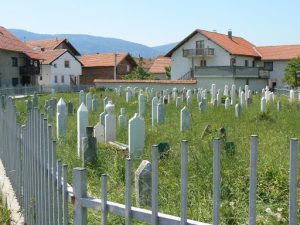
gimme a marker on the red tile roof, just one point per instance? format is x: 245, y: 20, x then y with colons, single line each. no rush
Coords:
x: 235, y: 46
x: 9, y: 42
x: 102, y: 59
x: 159, y: 65
x: 49, y: 44
x: 280, y: 52
x: 49, y: 56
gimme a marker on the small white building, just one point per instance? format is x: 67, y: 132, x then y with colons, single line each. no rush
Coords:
x: 275, y: 60
x: 59, y: 67
x: 222, y: 59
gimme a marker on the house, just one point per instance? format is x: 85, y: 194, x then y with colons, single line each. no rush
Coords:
x: 106, y: 66
x: 59, y: 67
x: 59, y: 64
x: 53, y: 44
x: 275, y: 60
x: 19, y: 65
x: 211, y: 57
x: 158, y: 67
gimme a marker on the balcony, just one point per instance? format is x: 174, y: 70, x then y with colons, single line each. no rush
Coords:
x: 29, y: 70
x: 198, y: 52
x: 232, y: 71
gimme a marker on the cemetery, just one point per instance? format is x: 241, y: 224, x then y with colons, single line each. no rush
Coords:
x: 99, y: 129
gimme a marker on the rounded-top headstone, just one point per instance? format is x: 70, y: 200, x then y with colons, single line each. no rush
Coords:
x: 110, y: 107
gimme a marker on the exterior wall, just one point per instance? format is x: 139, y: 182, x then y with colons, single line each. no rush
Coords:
x: 50, y: 71
x: 278, y: 73
x: 253, y: 83
x: 155, y: 84
x: 181, y: 65
x: 7, y: 71
x: 89, y: 74
x: 63, y: 45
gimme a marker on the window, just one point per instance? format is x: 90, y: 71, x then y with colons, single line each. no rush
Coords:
x: 67, y: 64
x: 232, y: 61
x: 14, y: 61
x: 41, y: 77
x: 200, y: 44
x: 203, y: 63
x: 15, y: 81
x: 253, y: 63
x: 54, y: 65
x: 268, y: 66
x: 62, y: 79
x: 128, y: 68
x: 246, y: 63
x: 55, y: 79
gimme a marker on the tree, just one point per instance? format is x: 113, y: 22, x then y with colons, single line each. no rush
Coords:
x: 292, y: 72
x: 139, y: 73
x: 168, y: 71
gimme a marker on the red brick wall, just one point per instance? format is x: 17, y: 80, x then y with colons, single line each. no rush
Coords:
x: 89, y: 74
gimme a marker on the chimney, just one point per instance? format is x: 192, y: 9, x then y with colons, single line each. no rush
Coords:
x: 230, y: 34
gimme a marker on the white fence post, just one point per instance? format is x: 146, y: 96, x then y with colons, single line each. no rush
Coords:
x: 253, y: 180
x: 104, y: 199
x: 65, y: 196
x: 154, y: 202
x: 128, y: 192
x: 293, y: 181
x: 80, y: 191
x: 184, y: 182
x: 216, y: 182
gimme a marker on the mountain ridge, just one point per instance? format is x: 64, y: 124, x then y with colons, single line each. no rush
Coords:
x: 90, y: 44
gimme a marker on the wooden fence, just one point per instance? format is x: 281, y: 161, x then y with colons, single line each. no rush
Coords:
x: 28, y: 153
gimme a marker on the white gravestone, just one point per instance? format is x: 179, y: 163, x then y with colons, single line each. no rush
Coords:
x: 122, y: 119
x: 141, y: 105
x: 178, y: 101
x: 154, y: 110
x: 263, y: 104
x: 238, y: 110
x: 110, y: 123
x: 99, y: 133
x: 61, y: 119
x: 81, y: 97
x: 227, y: 103
x: 184, y: 119
x: 143, y: 184
x: 88, y: 101
x: 136, y: 136
x: 82, y: 123
x: 160, y: 113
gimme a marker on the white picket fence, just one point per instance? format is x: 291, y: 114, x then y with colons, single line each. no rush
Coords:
x: 28, y: 153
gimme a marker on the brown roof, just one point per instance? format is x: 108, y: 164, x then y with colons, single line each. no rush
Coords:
x: 147, y: 81
x: 49, y: 56
x: 9, y: 42
x: 159, y: 65
x: 104, y: 59
x: 235, y: 46
x: 49, y: 44
x: 280, y: 52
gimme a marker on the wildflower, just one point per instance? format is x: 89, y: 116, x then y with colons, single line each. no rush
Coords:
x: 268, y: 210
x: 278, y: 216
x: 279, y: 209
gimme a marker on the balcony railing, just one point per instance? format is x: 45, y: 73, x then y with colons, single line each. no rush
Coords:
x: 231, y: 71
x: 198, y: 52
x: 29, y: 70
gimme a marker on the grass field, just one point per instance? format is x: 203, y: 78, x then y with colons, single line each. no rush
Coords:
x: 4, y: 212
x: 273, y: 128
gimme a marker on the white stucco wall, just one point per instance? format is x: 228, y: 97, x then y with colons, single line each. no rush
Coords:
x: 181, y: 65
x: 278, y: 73
x: 50, y: 71
x: 7, y: 71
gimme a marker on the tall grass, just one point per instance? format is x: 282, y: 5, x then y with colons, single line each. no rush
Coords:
x: 274, y: 128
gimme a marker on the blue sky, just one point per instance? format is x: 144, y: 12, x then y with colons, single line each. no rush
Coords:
x: 157, y: 22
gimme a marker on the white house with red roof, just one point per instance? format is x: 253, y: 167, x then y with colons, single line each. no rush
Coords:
x: 19, y: 65
x: 211, y: 57
x: 59, y: 64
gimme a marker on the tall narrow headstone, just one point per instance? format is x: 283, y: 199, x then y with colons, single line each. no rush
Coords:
x: 99, y: 133
x: 189, y: 100
x: 95, y: 104
x: 213, y: 93
x: 35, y: 100
x: 61, y: 119
x: 128, y: 95
x: 136, y: 136
x: 184, y: 119
x: 143, y: 181
x: 81, y: 97
x: 102, y: 117
x: 70, y: 108
x: 238, y: 110
x: 88, y: 101
x: 89, y: 147
x: 110, y: 123
x: 263, y: 104
x: 141, y: 105
x: 160, y: 113
x: 242, y: 98
x: 82, y: 123
x: 279, y: 106
x: 226, y: 92
x: 105, y: 101
x: 227, y: 103
x: 122, y: 119
x: 292, y: 95
x: 154, y: 110
x: 178, y: 101
x: 50, y: 114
